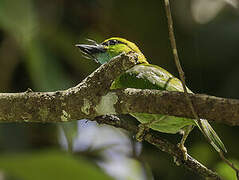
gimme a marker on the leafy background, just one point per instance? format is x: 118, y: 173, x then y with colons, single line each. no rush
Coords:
x: 37, y: 51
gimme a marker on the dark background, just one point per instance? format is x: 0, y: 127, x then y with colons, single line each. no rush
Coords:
x: 37, y: 51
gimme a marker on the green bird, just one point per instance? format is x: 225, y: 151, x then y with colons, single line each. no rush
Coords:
x: 148, y: 76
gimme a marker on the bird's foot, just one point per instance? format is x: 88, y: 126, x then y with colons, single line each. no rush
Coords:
x: 184, y: 151
x: 141, y: 131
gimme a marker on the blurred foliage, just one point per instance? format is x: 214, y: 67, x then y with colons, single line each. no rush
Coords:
x: 49, y: 165
x: 226, y: 172
x: 37, y: 51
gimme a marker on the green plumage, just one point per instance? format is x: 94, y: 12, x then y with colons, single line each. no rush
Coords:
x: 147, y: 76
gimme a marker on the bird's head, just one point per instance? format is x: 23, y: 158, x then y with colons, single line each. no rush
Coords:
x: 110, y: 48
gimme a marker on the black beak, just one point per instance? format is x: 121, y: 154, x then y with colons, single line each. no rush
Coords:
x: 91, y: 49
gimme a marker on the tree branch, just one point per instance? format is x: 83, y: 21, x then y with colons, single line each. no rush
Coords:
x: 85, y: 101
x: 130, y: 124
x: 75, y: 103
x: 220, y: 110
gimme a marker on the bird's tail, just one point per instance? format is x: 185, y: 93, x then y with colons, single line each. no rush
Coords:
x: 211, y: 135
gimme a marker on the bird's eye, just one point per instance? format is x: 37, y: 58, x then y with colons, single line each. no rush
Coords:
x: 105, y: 44
x: 113, y: 42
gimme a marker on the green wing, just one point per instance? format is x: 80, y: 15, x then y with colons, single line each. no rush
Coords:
x: 147, y: 76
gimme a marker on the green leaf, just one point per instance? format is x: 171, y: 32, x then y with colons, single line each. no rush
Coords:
x: 225, y: 171
x: 49, y: 165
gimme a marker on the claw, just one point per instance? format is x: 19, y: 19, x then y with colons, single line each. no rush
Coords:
x: 141, y: 132
x: 184, y: 151
x: 181, y: 146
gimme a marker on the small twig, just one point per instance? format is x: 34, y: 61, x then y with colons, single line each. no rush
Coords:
x: 176, y: 58
x: 182, y: 78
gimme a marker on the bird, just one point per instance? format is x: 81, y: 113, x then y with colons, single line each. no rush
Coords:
x: 148, y: 76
